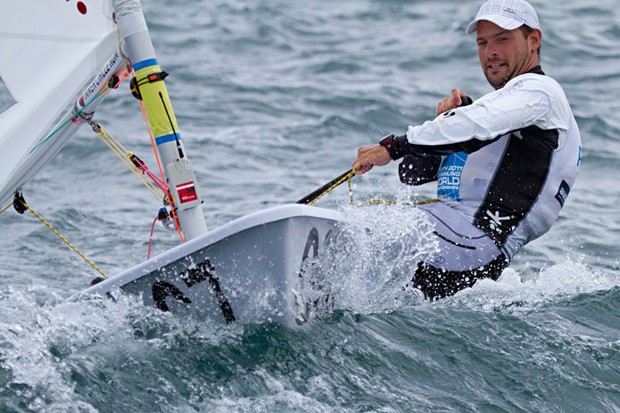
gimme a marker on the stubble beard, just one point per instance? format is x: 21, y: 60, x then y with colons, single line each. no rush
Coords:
x: 510, y: 71
x: 499, y: 82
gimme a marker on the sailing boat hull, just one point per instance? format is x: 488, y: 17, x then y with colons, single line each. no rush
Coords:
x: 246, y: 271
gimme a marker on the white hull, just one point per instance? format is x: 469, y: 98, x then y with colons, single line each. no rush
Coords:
x: 247, y: 269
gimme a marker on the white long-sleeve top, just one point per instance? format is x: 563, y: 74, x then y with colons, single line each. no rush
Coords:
x: 509, y: 159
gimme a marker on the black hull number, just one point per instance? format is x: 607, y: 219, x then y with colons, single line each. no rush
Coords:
x: 203, y: 272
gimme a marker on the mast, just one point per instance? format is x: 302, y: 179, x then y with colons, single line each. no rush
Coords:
x: 151, y: 88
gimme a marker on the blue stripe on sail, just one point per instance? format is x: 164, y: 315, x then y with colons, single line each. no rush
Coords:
x: 144, y: 63
x: 167, y: 138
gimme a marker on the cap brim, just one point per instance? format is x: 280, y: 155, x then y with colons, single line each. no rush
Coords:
x: 504, y: 22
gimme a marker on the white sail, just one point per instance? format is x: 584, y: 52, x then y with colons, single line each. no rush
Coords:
x: 49, y: 52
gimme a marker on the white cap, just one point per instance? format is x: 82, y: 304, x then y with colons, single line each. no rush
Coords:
x: 507, y: 14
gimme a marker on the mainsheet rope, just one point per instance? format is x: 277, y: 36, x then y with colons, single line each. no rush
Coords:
x: 347, y: 177
x: 317, y: 194
x: 392, y: 202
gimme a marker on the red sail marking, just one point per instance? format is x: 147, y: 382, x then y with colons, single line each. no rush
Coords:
x: 81, y: 7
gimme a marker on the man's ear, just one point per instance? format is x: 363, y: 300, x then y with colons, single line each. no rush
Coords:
x: 535, y: 40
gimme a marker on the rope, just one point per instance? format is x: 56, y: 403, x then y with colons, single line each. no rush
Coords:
x: 148, y: 254
x: 350, y: 191
x: 125, y: 156
x: 346, y: 177
x: 6, y: 208
x: 391, y: 202
x: 76, y: 115
x: 59, y: 235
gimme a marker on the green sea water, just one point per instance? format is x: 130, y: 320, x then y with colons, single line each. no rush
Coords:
x: 273, y: 99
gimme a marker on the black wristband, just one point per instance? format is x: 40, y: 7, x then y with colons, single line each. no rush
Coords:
x: 397, y: 146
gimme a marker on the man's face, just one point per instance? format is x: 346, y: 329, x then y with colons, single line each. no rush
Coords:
x: 505, y: 54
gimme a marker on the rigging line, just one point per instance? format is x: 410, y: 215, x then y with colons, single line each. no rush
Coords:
x: 75, y: 114
x: 176, y: 137
x: 159, y: 166
x: 148, y: 254
x: 6, y: 208
x: 63, y: 124
x: 69, y: 119
x: 125, y: 158
x: 124, y: 155
x: 59, y: 235
x: 390, y: 202
x: 140, y: 165
x: 346, y: 177
x: 350, y: 190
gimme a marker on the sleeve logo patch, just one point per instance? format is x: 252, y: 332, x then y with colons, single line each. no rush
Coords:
x: 563, y: 192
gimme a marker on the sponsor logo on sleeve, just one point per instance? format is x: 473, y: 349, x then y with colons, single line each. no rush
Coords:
x: 563, y: 191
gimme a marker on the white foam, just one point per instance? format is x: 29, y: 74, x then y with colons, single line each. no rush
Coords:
x: 562, y: 280
x: 375, y: 255
x: 44, y: 340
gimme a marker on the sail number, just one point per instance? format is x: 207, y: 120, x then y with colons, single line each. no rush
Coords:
x: 202, y: 272
x: 205, y: 271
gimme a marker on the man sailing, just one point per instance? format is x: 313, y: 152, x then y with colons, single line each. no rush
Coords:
x: 504, y: 164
